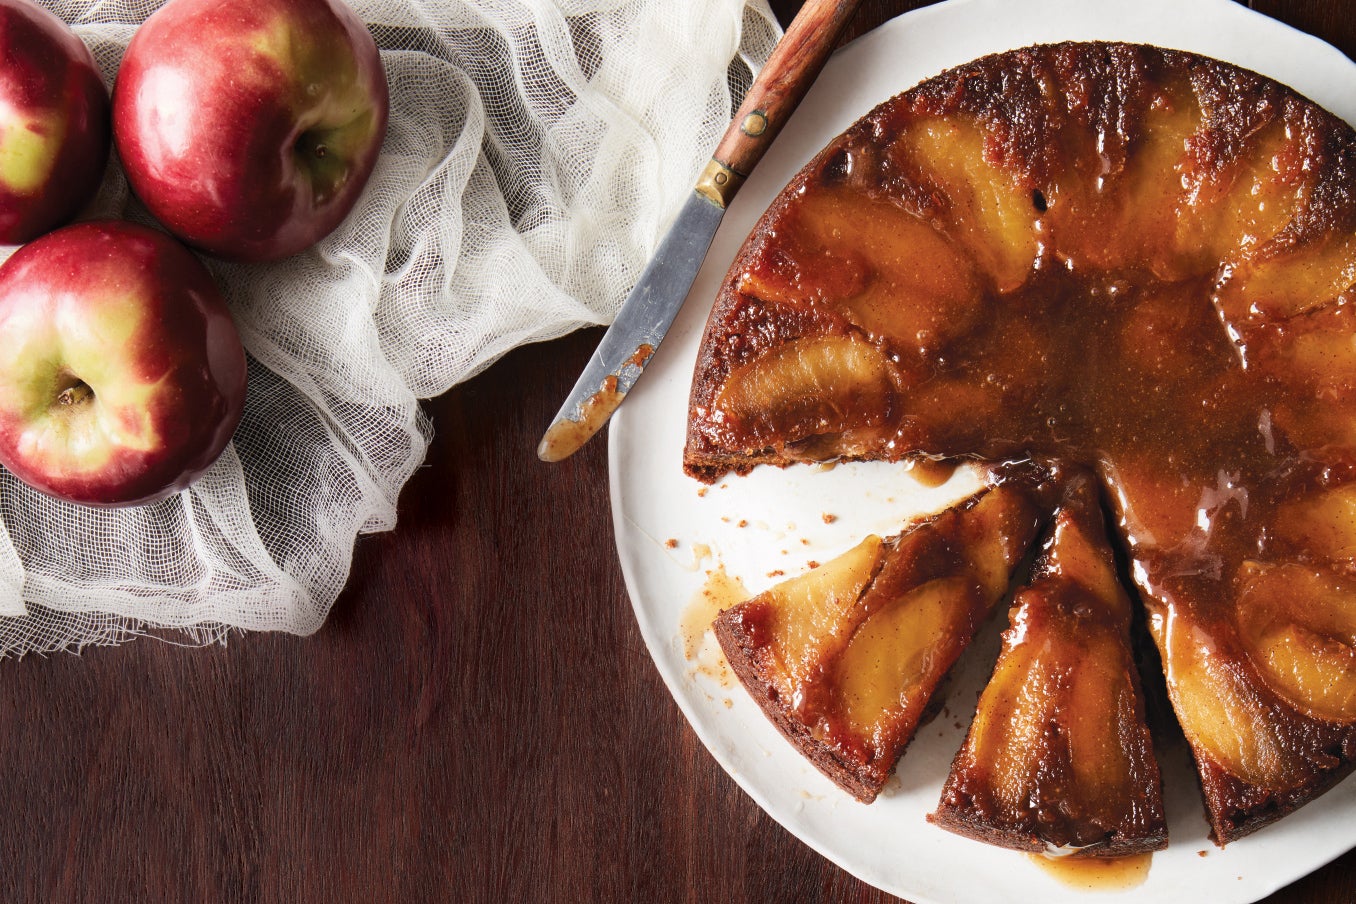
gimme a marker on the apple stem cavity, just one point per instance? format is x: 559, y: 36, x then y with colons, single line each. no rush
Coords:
x: 76, y: 394
x: 312, y: 144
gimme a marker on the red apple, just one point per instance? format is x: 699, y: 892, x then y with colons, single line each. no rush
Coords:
x: 249, y: 127
x: 122, y: 377
x: 54, y: 130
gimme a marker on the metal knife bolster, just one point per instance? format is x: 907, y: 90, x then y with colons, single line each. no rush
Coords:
x: 644, y: 318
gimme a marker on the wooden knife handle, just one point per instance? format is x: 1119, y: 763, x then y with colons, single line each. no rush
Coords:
x: 775, y: 94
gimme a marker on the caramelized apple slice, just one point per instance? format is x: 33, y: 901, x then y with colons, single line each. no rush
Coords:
x: 845, y: 662
x: 799, y: 268
x: 807, y: 613
x: 1231, y: 210
x: 918, y: 292
x: 1316, y: 424
x: 1137, y: 204
x: 916, y: 629
x: 1312, y: 357
x: 825, y: 384
x: 1323, y: 350
x: 924, y: 292
x: 1299, y: 626
x: 1282, y: 284
x: 990, y: 212
x: 1321, y: 525
x: 1313, y: 353
x: 1218, y: 704
x: 1058, y: 755
x: 894, y: 663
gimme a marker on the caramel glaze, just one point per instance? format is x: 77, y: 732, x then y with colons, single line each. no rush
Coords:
x: 1130, y: 260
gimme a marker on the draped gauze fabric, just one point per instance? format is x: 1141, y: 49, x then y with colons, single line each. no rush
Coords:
x: 536, y: 151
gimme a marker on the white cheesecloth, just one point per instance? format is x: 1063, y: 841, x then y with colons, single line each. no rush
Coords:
x: 536, y: 151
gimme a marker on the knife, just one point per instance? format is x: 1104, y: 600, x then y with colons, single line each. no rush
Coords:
x: 648, y: 311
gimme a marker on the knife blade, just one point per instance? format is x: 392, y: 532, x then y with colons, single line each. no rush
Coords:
x: 652, y: 305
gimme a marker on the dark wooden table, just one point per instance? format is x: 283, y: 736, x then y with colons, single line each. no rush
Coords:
x: 478, y: 720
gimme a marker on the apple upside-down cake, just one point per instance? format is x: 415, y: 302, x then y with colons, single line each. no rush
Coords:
x: 1100, y: 259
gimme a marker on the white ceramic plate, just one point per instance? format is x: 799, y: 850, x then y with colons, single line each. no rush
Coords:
x: 773, y: 520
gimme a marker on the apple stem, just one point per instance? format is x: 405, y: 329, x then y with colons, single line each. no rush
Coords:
x: 321, y: 150
x: 74, y: 395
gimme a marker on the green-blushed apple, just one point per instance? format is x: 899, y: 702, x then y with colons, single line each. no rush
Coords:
x: 54, y: 126
x: 123, y: 376
x: 249, y: 127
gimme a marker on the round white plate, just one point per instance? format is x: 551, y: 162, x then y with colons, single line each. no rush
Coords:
x: 770, y: 524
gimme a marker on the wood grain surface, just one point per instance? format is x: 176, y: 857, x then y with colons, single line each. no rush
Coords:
x: 477, y: 721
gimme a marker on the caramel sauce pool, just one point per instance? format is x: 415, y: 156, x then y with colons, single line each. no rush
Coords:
x: 933, y: 473
x: 720, y: 591
x: 1096, y: 873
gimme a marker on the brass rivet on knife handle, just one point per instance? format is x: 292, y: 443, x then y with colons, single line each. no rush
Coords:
x: 778, y: 89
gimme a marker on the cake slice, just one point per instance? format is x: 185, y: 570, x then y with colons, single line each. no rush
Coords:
x: 1059, y: 758
x: 845, y: 659
x: 1259, y: 652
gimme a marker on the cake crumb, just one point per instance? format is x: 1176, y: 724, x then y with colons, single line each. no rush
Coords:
x: 743, y: 522
x: 812, y: 564
x: 1202, y: 853
x: 776, y: 573
x: 828, y: 518
x: 671, y: 543
x: 701, y: 493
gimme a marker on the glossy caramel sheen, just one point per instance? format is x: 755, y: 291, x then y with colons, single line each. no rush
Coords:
x: 1135, y: 261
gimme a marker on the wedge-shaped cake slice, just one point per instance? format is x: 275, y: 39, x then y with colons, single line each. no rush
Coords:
x: 845, y: 658
x: 1258, y: 644
x: 1058, y: 758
